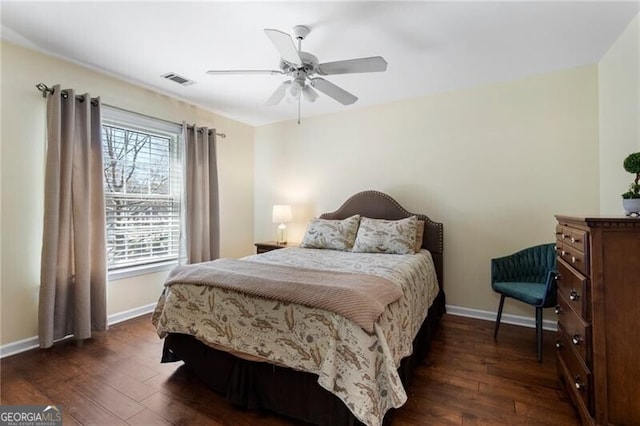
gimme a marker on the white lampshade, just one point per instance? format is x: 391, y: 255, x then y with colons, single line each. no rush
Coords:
x: 281, y: 213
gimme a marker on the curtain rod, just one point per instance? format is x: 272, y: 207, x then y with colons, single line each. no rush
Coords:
x: 45, y: 89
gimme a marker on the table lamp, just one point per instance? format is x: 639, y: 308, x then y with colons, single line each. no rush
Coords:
x: 281, y: 214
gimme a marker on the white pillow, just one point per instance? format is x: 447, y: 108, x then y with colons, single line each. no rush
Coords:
x: 386, y: 236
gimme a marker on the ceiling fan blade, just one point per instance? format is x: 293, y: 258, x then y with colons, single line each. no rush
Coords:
x: 373, y: 64
x: 285, y: 46
x: 333, y: 91
x: 279, y: 93
x: 231, y: 72
x: 309, y: 94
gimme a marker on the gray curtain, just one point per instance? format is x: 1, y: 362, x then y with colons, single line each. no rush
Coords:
x: 73, y: 269
x: 202, y: 216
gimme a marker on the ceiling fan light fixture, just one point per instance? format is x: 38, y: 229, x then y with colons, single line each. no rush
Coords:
x: 309, y: 94
x: 294, y: 90
x: 279, y: 93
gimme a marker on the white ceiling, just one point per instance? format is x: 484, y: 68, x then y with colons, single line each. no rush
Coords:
x: 430, y: 47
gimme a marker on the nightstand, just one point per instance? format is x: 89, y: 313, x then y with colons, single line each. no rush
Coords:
x: 266, y: 246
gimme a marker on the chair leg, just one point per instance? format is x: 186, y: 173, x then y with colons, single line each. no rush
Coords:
x: 539, y: 332
x: 495, y: 331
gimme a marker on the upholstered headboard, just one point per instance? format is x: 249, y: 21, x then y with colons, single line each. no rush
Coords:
x: 378, y: 205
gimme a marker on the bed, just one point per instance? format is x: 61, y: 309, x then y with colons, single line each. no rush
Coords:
x: 298, y: 359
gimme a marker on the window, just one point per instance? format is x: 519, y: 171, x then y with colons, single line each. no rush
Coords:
x: 142, y: 186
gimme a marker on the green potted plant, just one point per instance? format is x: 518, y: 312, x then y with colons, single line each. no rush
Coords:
x: 631, y: 198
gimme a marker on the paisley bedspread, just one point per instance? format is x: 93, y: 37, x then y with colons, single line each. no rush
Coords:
x: 358, y: 367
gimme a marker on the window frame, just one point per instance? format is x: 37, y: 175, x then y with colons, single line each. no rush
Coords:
x: 116, y: 117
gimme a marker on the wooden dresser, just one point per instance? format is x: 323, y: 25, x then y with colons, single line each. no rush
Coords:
x: 598, y: 340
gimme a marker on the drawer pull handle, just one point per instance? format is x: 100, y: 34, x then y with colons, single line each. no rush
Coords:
x: 574, y: 295
x: 558, y: 309
x: 578, y: 383
x: 558, y: 344
x: 564, y: 253
x: 564, y: 236
x: 573, y: 259
x: 577, y: 339
x: 574, y: 240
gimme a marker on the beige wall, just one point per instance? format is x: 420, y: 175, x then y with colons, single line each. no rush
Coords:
x: 494, y: 163
x: 22, y: 175
x: 619, y: 89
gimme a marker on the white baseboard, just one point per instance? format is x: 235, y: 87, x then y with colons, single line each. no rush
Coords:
x: 24, y: 345
x: 19, y: 346
x: 506, y: 318
x: 131, y: 313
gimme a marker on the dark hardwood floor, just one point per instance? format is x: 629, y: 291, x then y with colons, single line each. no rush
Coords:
x: 466, y: 379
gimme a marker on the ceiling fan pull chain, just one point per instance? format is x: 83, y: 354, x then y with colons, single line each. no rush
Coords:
x: 299, y: 109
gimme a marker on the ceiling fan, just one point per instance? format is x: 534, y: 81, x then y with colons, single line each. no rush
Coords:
x: 302, y: 68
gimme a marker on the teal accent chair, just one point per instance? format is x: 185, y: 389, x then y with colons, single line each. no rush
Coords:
x: 528, y: 276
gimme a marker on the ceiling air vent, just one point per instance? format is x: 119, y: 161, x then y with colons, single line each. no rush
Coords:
x: 178, y: 79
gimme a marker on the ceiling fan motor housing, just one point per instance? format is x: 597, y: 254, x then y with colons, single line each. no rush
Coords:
x: 309, y: 64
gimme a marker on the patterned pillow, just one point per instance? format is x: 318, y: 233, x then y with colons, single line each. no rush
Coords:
x: 419, y: 236
x: 386, y: 236
x: 331, y: 234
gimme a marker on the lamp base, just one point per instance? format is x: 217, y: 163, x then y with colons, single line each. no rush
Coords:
x: 282, y: 240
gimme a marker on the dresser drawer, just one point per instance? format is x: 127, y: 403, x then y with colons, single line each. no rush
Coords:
x: 575, y: 289
x: 574, y: 372
x: 578, y: 332
x: 575, y: 238
x: 574, y: 257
